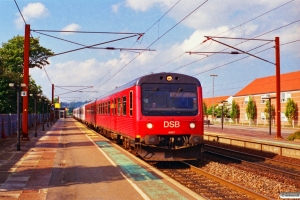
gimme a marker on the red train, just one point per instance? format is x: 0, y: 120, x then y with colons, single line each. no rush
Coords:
x: 159, y: 116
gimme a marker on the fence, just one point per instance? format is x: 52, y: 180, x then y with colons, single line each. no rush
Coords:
x: 8, y: 122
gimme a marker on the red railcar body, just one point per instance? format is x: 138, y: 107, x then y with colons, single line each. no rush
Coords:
x: 159, y: 115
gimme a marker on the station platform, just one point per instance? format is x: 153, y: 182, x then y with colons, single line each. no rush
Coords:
x: 69, y: 161
x: 255, y: 137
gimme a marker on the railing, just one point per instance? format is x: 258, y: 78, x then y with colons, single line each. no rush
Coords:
x: 8, y: 123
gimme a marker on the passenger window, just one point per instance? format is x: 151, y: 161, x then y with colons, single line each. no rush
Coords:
x: 116, y: 106
x: 124, y: 106
x: 108, y: 107
x: 119, y: 106
x: 130, y: 103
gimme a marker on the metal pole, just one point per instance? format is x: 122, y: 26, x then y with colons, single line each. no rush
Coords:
x: 213, y: 111
x: 270, y: 117
x: 18, y: 113
x: 47, y: 115
x: 278, y: 113
x: 43, y: 116
x: 26, y: 81
x: 35, y: 117
x: 222, y: 116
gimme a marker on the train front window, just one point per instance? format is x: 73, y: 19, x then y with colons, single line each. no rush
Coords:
x: 169, y: 99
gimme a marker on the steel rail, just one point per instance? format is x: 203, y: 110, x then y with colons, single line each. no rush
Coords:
x: 267, y: 160
x: 230, y: 184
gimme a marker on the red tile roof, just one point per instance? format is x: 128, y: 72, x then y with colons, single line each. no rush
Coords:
x: 288, y: 82
x: 217, y: 100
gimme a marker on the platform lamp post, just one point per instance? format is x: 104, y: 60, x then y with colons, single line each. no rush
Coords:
x: 18, y: 88
x: 35, y: 96
x: 213, y: 109
x: 47, y: 104
x: 270, y: 112
x: 222, y: 118
x: 42, y: 99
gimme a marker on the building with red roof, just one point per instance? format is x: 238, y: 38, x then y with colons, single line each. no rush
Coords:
x: 261, y: 88
x: 264, y: 87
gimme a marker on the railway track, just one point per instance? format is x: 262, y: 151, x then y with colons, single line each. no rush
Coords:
x: 288, y: 168
x: 266, y: 176
x: 205, y: 183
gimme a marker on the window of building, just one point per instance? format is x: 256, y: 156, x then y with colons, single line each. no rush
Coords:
x: 246, y: 100
x: 263, y: 116
x: 283, y: 117
x: 246, y: 117
x: 284, y: 96
x: 263, y: 100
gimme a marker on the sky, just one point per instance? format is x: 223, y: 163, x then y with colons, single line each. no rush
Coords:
x: 161, y: 33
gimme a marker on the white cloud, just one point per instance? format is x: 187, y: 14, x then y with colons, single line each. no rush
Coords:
x: 143, y: 5
x: 71, y: 27
x: 115, y: 7
x: 30, y: 12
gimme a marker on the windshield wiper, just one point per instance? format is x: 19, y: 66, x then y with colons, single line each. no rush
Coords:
x: 179, y: 90
x: 152, y: 92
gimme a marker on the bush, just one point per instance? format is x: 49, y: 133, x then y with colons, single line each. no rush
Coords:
x: 293, y: 136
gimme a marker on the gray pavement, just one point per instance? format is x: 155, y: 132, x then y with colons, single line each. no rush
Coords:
x: 69, y: 161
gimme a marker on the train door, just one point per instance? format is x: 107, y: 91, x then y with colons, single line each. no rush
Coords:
x: 95, y: 113
x: 131, y: 117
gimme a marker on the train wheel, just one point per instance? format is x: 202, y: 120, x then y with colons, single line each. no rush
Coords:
x: 126, y: 143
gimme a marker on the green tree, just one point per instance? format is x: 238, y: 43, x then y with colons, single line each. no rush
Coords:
x: 251, y: 110
x: 235, y: 111
x: 204, y: 109
x: 11, y: 67
x: 218, y: 111
x: 291, y: 110
x: 267, y: 110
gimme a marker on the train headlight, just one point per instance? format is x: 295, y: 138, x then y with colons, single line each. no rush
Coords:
x: 149, y: 125
x: 192, y: 125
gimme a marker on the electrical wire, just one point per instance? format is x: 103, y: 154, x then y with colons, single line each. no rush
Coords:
x: 256, y: 85
x: 47, y: 75
x: 136, y: 41
x: 226, y: 32
x: 20, y: 11
x: 235, y: 45
x: 156, y: 40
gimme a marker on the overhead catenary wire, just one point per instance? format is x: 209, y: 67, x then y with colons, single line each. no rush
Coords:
x: 236, y: 45
x: 157, y: 40
x: 136, y: 41
x: 225, y: 32
x: 20, y: 11
x: 47, y: 75
x: 257, y: 85
x: 177, y: 2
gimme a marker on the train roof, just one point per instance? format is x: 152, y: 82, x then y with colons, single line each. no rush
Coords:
x: 157, y: 78
x: 152, y: 78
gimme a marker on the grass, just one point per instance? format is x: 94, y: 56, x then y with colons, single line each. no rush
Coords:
x: 294, y: 136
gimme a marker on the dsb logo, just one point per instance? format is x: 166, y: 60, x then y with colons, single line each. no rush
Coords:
x: 171, y: 124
